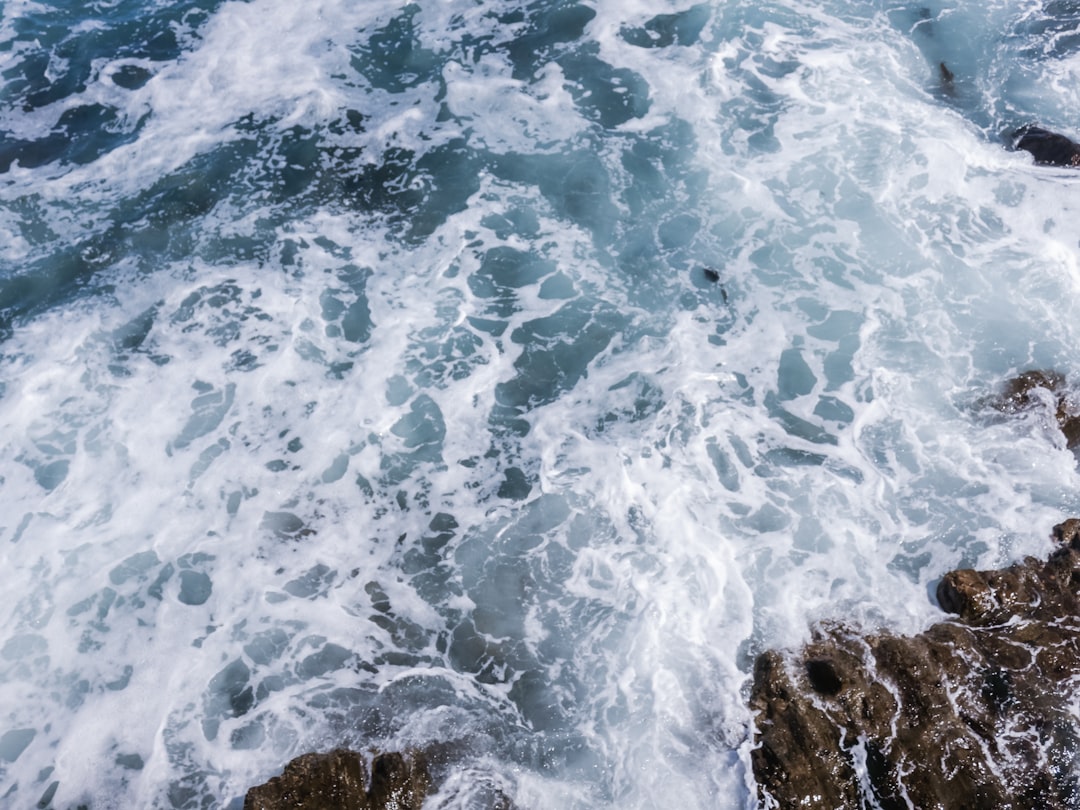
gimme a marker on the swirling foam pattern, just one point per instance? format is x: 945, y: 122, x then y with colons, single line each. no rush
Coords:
x: 502, y: 375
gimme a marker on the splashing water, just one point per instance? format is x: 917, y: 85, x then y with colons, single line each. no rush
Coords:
x: 502, y: 376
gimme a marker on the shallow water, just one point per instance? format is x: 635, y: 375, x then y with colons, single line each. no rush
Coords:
x: 502, y: 375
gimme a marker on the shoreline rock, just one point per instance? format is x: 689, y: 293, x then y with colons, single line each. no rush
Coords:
x: 340, y: 780
x: 975, y: 712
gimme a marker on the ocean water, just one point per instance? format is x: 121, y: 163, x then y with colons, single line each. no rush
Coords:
x: 503, y: 376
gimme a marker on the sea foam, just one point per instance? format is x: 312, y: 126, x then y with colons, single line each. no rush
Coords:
x: 505, y: 378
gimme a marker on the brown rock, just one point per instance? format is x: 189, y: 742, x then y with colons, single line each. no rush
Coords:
x: 983, y: 597
x: 338, y: 781
x: 1020, y: 392
x: 1067, y: 533
x: 1027, y: 391
x: 398, y: 783
x: 973, y: 713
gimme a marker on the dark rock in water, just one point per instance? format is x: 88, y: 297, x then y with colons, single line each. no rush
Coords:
x: 1019, y: 391
x: 1048, y: 147
x: 131, y: 77
x: 712, y: 275
x: 339, y: 781
x: 948, y: 79
x: 1030, y: 390
x: 976, y: 712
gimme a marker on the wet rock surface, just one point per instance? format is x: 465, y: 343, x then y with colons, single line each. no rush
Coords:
x: 340, y: 780
x: 977, y: 712
x: 1040, y: 390
x: 1049, y: 148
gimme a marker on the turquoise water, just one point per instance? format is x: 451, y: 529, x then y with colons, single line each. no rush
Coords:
x: 504, y: 376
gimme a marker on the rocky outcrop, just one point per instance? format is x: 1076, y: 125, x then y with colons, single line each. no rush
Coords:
x: 978, y: 712
x: 340, y: 780
x: 1048, y: 147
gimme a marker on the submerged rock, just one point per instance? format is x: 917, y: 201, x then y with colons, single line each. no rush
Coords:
x: 1048, y: 147
x: 947, y: 79
x: 1036, y: 389
x: 976, y: 712
x: 340, y: 781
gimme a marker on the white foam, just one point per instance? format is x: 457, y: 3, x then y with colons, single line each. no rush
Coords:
x: 726, y: 472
